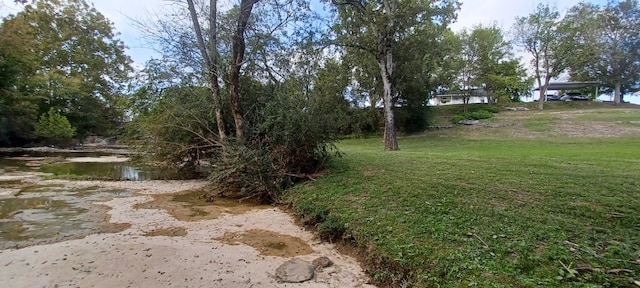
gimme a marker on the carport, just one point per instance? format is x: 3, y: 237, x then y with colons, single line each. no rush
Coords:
x: 555, y: 86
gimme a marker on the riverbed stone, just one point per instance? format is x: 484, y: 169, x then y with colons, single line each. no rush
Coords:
x: 321, y: 262
x: 468, y: 122
x: 295, y: 271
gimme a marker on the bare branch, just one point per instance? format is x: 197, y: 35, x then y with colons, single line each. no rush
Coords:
x: 198, y: 31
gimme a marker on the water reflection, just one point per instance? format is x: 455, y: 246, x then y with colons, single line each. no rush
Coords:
x: 56, y: 165
x: 112, y: 171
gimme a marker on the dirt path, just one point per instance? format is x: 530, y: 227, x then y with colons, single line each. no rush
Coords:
x: 158, y: 250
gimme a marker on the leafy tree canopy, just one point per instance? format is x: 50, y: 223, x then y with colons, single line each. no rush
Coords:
x: 68, y: 58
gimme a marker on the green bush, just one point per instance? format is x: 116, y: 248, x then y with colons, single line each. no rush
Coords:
x: 480, y: 114
x: 54, y: 128
x: 458, y: 117
x: 288, y: 138
x: 475, y: 115
x: 492, y: 109
x: 177, y: 130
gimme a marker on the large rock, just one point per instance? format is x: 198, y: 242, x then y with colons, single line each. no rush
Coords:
x: 518, y: 108
x: 295, y: 271
x: 468, y: 122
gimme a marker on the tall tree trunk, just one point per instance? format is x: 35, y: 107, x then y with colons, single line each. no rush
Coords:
x: 617, y: 97
x: 210, y: 60
x: 465, y: 101
x: 385, y: 61
x: 543, y: 89
x: 543, y: 92
x: 214, y: 69
x: 237, y: 57
x: 215, y: 95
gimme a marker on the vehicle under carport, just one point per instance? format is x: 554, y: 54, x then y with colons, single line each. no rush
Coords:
x: 574, y: 85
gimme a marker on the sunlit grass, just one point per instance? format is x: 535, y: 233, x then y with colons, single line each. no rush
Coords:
x: 450, y: 211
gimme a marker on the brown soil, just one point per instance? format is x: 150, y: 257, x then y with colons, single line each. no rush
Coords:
x: 268, y: 243
x: 191, y: 206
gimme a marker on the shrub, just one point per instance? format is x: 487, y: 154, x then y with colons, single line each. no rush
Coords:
x: 475, y: 115
x: 480, y: 114
x: 54, y: 128
x: 492, y: 109
x: 288, y: 135
x: 288, y: 138
x: 177, y: 130
x: 458, y: 117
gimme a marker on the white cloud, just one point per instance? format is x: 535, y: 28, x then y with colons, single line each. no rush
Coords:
x: 504, y: 12
x: 124, y: 13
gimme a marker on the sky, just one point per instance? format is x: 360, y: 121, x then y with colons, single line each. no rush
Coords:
x: 124, y: 14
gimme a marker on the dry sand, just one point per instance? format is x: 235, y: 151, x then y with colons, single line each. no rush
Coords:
x: 191, y: 259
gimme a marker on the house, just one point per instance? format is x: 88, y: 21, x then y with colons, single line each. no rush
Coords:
x: 472, y: 96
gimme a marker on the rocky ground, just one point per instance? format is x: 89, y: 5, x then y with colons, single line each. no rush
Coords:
x: 171, y: 245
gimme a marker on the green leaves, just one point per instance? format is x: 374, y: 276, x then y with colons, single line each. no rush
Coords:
x: 548, y: 40
x: 485, y: 62
x: 64, y: 55
x: 607, y: 45
x: 54, y: 127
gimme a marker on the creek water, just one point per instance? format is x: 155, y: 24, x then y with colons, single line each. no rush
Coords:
x: 56, y: 164
x: 32, y: 212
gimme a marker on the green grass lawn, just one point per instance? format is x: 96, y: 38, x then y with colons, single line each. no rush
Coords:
x: 456, y: 212
x: 610, y: 115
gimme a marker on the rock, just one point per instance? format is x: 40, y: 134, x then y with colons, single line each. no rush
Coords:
x: 634, y: 122
x: 516, y: 108
x: 295, y: 271
x: 468, y: 122
x: 322, y: 262
x: 498, y: 125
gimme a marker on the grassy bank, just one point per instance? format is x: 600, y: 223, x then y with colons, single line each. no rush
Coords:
x: 452, y: 211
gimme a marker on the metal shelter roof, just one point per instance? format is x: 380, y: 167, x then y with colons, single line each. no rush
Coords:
x: 569, y: 85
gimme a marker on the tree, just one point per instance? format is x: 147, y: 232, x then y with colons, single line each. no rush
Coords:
x: 610, y: 45
x: 509, y: 81
x: 377, y: 27
x: 543, y: 35
x: 209, y: 55
x: 76, y: 63
x: 285, y: 99
x: 54, y: 127
x: 486, y: 48
x: 18, y: 107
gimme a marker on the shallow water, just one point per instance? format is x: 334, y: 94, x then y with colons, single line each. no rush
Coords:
x: 55, y: 164
x: 111, y: 171
x: 35, y: 213
x: 42, y: 213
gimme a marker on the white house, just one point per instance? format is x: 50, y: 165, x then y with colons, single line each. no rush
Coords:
x: 473, y: 96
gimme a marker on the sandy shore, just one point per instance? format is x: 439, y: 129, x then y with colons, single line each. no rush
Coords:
x: 196, y: 257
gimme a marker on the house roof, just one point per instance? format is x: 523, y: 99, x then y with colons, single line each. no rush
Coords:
x: 473, y: 92
x: 569, y: 85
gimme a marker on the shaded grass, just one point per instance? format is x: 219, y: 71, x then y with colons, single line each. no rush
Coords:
x: 488, y: 213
